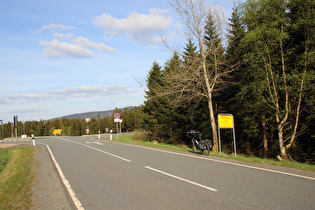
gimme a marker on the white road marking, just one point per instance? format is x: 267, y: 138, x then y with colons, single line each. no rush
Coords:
x: 264, y: 169
x: 222, y: 161
x: 74, y: 198
x: 94, y: 142
x: 99, y: 150
x: 182, y: 179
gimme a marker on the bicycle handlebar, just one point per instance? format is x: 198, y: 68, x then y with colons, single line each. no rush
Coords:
x: 193, y: 132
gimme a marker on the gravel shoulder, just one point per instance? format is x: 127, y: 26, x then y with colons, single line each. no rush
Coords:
x: 48, y: 189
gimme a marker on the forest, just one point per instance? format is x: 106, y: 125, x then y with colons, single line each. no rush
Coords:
x: 261, y: 72
x: 76, y: 127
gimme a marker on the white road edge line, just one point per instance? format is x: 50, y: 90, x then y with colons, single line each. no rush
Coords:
x: 116, y: 156
x: 226, y: 162
x: 182, y: 179
x: 74, y: 198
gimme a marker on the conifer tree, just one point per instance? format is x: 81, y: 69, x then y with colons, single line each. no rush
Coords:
x: 177, y: 116
x: 153, y: 117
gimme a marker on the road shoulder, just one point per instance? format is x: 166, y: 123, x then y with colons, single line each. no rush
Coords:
x: 48, y: 190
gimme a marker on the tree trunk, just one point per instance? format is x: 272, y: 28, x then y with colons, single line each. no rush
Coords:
x: 265, y: 140
x: 283, y: 151
x: 213, y: 125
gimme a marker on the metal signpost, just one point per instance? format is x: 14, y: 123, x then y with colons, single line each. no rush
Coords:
x: 226, y: 121
x: 23, y: 127
x: 120, y: 121
x: 87, y: 125
x: 117, y: 120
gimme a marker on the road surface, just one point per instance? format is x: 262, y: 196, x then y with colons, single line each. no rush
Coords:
x: 111, y: 175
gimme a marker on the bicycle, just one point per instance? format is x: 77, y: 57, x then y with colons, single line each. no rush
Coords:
x: 203, y: 145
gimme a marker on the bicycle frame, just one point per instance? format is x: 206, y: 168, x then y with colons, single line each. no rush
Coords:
x: 203, y: 145
x: 200, y: 144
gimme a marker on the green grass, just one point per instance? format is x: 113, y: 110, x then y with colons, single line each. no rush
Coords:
x: 131, y: 140
x: 136, y: 138
x: 3, y: 159
x: 288, y: 164
x: 16, y: 178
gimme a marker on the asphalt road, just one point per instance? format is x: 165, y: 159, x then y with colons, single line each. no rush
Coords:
x: 111, y: 175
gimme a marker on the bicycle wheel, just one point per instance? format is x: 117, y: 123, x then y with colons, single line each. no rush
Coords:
x: 193, y: 147
x: 206, y: 151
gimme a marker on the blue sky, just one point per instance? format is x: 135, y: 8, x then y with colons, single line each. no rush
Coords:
x: 60, y: 57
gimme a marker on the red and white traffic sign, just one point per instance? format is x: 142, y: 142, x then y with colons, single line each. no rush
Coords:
x: 117, y: 115
x: 87, y: 130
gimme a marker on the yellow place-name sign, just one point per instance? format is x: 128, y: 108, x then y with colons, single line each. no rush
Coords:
x: 57, y: 131
x: 226, y: 121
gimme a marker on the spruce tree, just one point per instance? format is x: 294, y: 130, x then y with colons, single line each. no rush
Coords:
x: 153, y: 118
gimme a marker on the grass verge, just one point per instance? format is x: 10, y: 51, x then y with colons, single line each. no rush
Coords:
x: 132, y: 139
x: 287, y: 164
x: 3, y: 159
x: 16, y: 178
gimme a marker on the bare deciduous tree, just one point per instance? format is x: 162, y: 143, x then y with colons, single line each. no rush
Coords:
x: 205, y: 73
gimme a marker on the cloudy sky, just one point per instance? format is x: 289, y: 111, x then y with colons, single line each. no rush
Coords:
x: 60, y: 57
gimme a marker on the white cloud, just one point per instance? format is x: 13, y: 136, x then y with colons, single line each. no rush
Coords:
x: 110, y: 35
x: 75, y: 91
x: 59, y: 49
x: 81, y: 41
x: 77, y: 49
x: 2, y: 101
x: 138, y: 27
x: 54, y: 27
x: 32, y: 96
x: 63, y: 36
x: 94, y: 90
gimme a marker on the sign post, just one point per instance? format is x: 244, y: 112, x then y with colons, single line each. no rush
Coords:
x: 226, y: 121
x: 23, y: 127
x: 120, y: 121
x: 87, y: 125
x: 117, y: 120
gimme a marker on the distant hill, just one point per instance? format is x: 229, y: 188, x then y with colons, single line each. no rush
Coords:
x: 90, y: 114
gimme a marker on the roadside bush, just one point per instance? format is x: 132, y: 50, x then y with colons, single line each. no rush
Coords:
x: 140, y: 135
